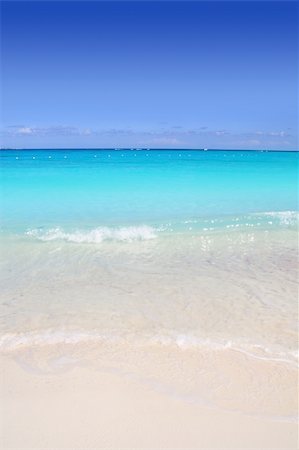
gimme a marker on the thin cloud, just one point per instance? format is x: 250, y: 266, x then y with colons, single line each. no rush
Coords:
x: 163, y: 141
x: 221, y: 132
x: 59, y: 130
x: 25, y: 130
x: 281, y: 133
x: 198, y: 137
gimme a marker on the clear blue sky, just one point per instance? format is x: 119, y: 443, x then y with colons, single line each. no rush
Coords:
x: 149, y: 74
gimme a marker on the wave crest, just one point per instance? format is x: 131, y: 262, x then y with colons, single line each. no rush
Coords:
x: 97, y: 235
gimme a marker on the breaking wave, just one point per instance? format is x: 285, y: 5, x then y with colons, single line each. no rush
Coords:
x: 97, y: 235
x: 262, y: 220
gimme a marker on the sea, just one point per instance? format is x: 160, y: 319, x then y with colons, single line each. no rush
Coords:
x: 153, y: 252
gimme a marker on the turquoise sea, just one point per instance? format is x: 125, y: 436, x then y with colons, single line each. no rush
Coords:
x: 193, y: 249
x: 82, y: 189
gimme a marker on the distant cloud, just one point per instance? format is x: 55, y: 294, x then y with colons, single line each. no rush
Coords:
x: 25, y: 130
x: 59, y: 130
x: 162, y: 141
x: 173, y: 136
x: 279, y: 133
x: 221, y: 132
x: 273, y: 133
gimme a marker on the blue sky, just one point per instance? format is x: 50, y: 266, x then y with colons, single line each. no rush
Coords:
x: 149, y: 74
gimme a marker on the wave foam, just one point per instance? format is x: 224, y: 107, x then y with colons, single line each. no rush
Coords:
x: 16, y: 341
x: 11, y: 341
x: 146, y: 232
x: 97, y: 235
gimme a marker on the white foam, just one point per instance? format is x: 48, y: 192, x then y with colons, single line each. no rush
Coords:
x: 11, y: 341
x: 15, y: 341
x: 252, y: 351
x: 97, y: 235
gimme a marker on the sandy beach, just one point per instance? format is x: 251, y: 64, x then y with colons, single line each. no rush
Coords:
x: 56, y: 402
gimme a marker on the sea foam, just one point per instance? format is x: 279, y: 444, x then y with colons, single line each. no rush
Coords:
x: 49, y: 337
x: 97, y: 235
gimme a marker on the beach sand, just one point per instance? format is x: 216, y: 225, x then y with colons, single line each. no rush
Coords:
x: 80, y: 406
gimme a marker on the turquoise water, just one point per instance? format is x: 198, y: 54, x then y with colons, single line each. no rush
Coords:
x: 78, y: 189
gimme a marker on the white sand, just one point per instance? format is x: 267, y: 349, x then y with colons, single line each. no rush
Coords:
x: 82, y: 408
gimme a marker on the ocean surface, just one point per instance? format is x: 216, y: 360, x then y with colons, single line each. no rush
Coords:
x: 173, y: 248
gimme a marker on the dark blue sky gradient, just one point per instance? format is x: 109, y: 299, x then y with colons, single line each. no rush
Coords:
x: 154, y: 74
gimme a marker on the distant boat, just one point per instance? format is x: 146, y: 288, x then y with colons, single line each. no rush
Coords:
x: 205, y: 149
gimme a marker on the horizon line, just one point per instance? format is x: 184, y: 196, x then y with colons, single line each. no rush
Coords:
x: 147, y: 149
